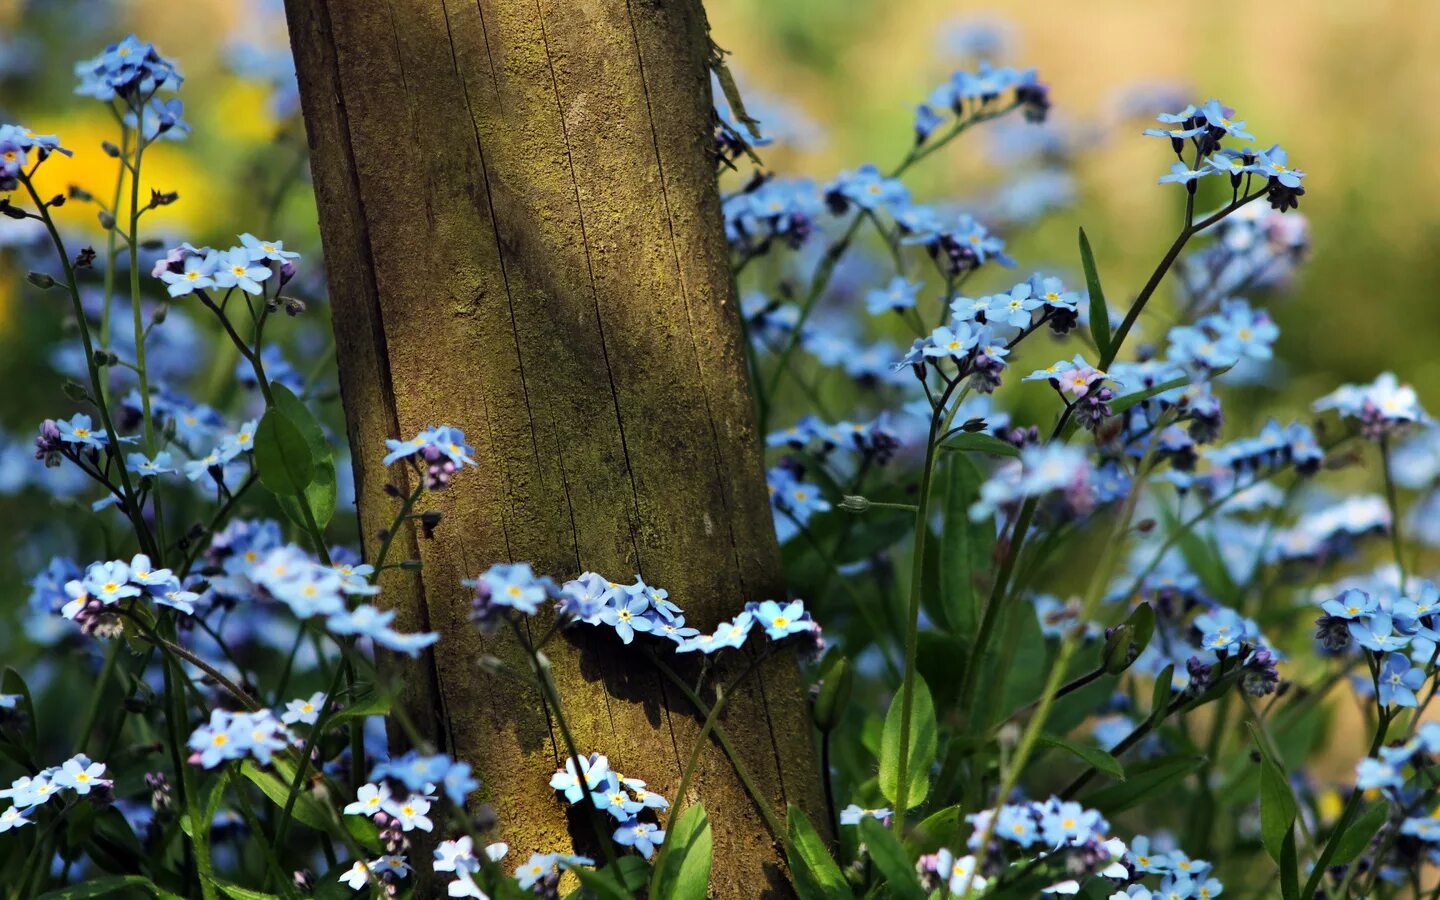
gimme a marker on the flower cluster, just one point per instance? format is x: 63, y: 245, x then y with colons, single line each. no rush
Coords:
x: 17, y: 145
x: 78, y: 775
x: 106, y: 584
x: 230, y: 736
x: 1383, y: 407
x: 130, y: 69
x: 1205, y: 128
x: 188, y: 269
x: 629, y: 609
x: 438, y: 453
x: 1040, y: 471
x: 626, y: 800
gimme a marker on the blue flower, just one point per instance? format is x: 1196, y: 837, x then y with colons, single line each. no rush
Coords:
x: 414, y: 770
x: 1274, y: 163
x: 1352, y: 603
x: 643, y: 836
x: 1017, y: 824
x: 584, y: 597
x: 953, y: 343
x: 79, y: 430
x: 196, y: 273
x: 235, y: 269
x: 1013, y: 309
x: 1069, y: 823
x: 162, y: 118
x: 266, y: 250
x: 162, y: 464
x: 513, y: 585
x: 129, y: 69
x: 867, y: 189
x: 80, y: 774
x: 612, y: 797
x: 1183, y: 174
x: 899, y: 294
x: 1377, y: 774
x: 1217, y: 117
x: 1377, y: 632
x: 595, y: 768
x: 1399, y: 681
x: 459, y: 782
x: 109, y: 582
x: 627, y: 616
x: 780, y: 621
x: 852, y: 814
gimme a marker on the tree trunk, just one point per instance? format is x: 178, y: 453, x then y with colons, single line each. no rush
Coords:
x: 523, y: 239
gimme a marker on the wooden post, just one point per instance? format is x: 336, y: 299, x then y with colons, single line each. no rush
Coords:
x: 523, y: 239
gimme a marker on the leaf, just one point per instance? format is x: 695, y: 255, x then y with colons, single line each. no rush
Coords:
x: 980, y: 442
x: 687, y: 858
x: 891, y: 859
x: 1289, y: 868
x: 281, y: 455
x: 817, y: 877
x: 1160, y: 693
x: 1142, y: 782
x: 241, y: 893
x: 1092, y: 756
x: 921, y: 750
x: 106, y: 887
x: 323, y: 489
x: 939, y: 829
x: 1120, y: 404
x: 1277, y: 808
x: 1099, y: 312
x: 1143, y: 621
x: 602, y: 884
x: 23, y: 749
x: 376, y: 704
x: 306, y: 809
x: 1357, y: 837
x: 965, y: 548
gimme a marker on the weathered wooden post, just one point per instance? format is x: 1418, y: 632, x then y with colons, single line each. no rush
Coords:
x: 523, y: 239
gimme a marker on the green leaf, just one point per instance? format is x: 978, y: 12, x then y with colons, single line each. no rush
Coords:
x: 939, y: 829
x: 1357, y: 837
x: 1277, y: 808
x: 891, y: 859
x: 1092, y: 756
x: 1120, y: 404
x: 921, y: 751
x: 965, y: 547
x: 237, y: 892
x: 1143, y: 621
x: 1143, y: 781
x: 689, y: 843
x: 307, y: 810
x: 1099, y: 312
x: 602, y: 884
x: 282, y: 455
x: 1160, y: 693
x: 323, y: 489
x: 980, y: 442
x: 1289, y: 868
x: 816, y: 875
x: 123, y: 885
x: 376, y: 704
x: 22, y: 750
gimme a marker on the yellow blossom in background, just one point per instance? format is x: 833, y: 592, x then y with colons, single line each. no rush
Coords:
x: 167, y: 166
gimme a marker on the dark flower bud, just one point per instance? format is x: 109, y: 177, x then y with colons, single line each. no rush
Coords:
x: 110, y: 149
x: 293, y: 306
x: 107, y: 221
x: 75, y: 391
x: 85, y: 258
x: 57, y: 200
x: 429, y: 521
x: 79, y: 193
x: 13, y: 212
x: 105, y: 358
x: 40, y: 280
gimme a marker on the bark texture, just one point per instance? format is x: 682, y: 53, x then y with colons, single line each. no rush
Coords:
x: 523, y: 239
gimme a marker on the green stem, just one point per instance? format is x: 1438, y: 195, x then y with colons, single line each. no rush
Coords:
x: 772, y: 821
x: 917, y: 579
x: 1347, y: 816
